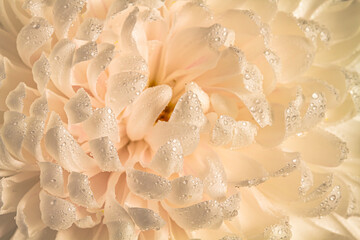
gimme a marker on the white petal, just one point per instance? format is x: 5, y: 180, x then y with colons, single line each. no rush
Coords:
x: 186, y: 190
x: 99, y: 64
x: 319, y: 147
x: 252, y: 78
x: 202, y: 215
x: 131, y: 62
x: 231, y: 206
x: 7, y: 162
x: 61, y: 59
x: 78, y: 108
x: 123, y: 89
x: 15, y: 99
x: 65, y: 12
x: 34, y: 134
x: 244, y: 134
x: 223, y: 131
x: 118, y: 221
x: 13, y: 188
x: 224, y: 104
x: 188, y: 110
x: 315, y: 112
x: 105, y: 154
x: 102, y: 124
x: 2, y: 69
x: 168, y: 158
x: 32, y: 37
x: 85, y: 52
x: 202, y: 96
x: 116, y: 7
x: 66, y: 151
x: 278, y: 231
x: 90, y: 29
x: 146, y: 110
x: 147, y: 185
x: 56, y: 213
x: 41, y: 72
x: 51, y: 178
x: 80, y: 191
x: 259, y: 108
x: 13, y: 132
x: 39, y: 108
x: 187, y: 134
x: 146, y: 219
x: 215, y: 181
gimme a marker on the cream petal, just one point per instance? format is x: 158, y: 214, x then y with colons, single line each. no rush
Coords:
x: 90, y: 29
x: 206, y: 214
x: 259, y: 108
x: 37, y: 8
x: 286, y: 47
x: 186, y: 190
x: 116, y: 7
x: 315, y: 111
x: 34, y: 135
x: 224, y: 104
x: 168, y: 158
x: 146, y: 219
x: 188, y: 110
x: 266, y: 9
x: 281, y: 230
x: 292, y: 116
x: 223, y: 131
x: 123, y: 89
x: 7, y: 162
x: 2, y: 69
x: 105, y: 154
x: 147, y: 108
x: 353, y: 85
x: 114, y: 212
x: 32, y: 37
x: 15, y: 98
x: 215, y: 182
x: 127, y: 41
x: 12, y: 190
x: 65, y: 12
x: 319, y: 147
x: 79, y: 107
x: 147, y: 185
x: 121, y: 230
x: 41, y: 72
x: 89, y: 221
x: 244, y: 134
x: 98, y: 65
x: 187, y: 134
x: 202, y: 96
x: 130, y: 62
x: 252, y: 78
x: 13, y: 132
x: 39, y: 108
x: 85, y: 52
x: 231, y: 206
x: 28, y: 216
x: 51, y: 178
x: 80, y: 191
x: 60, y: 59
x: 62, y: 146
x: 102, y: 123
x: 56, y: 213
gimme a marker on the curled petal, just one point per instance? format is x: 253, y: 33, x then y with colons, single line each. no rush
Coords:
x: 61, y: 59
x: 51, y: 178
x: 186, y: 190
x: 62, y: 146
x: 147, y: 108
x: 231, y: 206
x: 13, y: 132
x: 41, y: 72
x: 85, y: 52
x: 65, y: 12
x: 244, y: 134
x: 206, y: 214
x: 315, y: 112
x: 187, y: 134
x: 56, y: 213
x: 168, y: 158
x: 223, y: 131
x: 123, y: 89
x: 78, y: 108
x: 259, y: 108
x: 215, y: 181
x: 147, y: 185
x: 39, y: 108
x: 32, y: 37
x: 312, y: 144
x: 116, y: 7
x: 105, y: 154
x: 146, y: 219
x: 2, y: 69
x: 34, y: 134
x: 80, y: 191
x: 7, y: 162
x: 15, y: 99
x: 90, y: 29
x: 188, y: 110
x: 202, y: 96
x: 102, y: 123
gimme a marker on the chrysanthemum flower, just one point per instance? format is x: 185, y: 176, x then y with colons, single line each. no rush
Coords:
x: 150, y: 119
